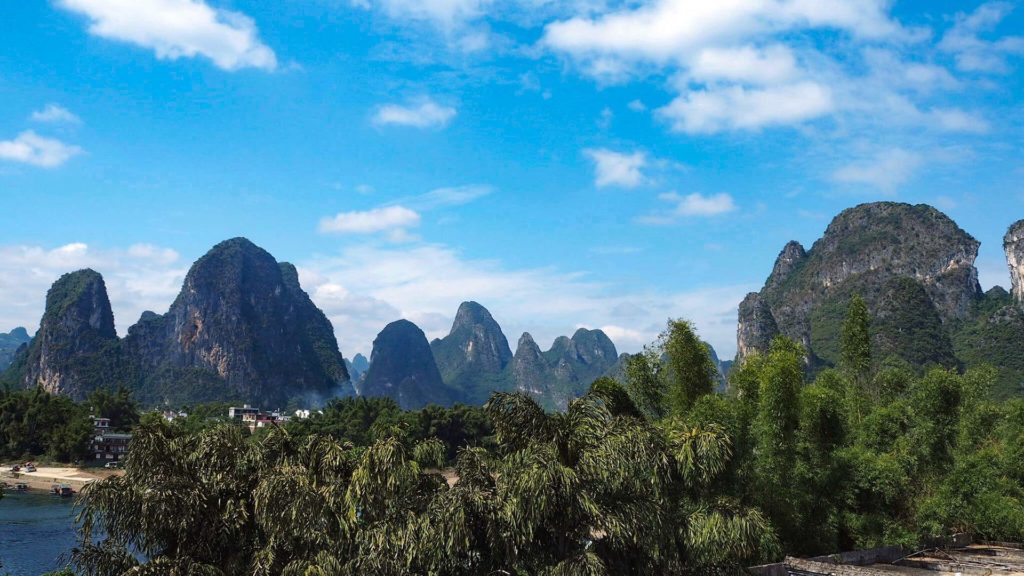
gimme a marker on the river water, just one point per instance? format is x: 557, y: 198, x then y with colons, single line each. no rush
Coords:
x: 37, y: 533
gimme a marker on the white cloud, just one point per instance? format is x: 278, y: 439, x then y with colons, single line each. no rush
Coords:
x: 748, y: 64
x: 616, y: 168
x: 738, y: 108
x: 444, y: 13
x: 887, y: 171
x: 451, y: 196
x: 143, y: 277
x: 393, y: 219
x: 771, y: 65
x: 426, y: 114
x: 31, y: 148
x: 956, y: 120
x: 179, y: 29
x: 975, y: 54
x: 691, y: 205
x: 670, y: 30
x: 361, y: 289
x: 56, y: 114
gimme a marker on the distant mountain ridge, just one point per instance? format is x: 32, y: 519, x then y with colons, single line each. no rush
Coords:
x: 474, y: 360
x: 243, y: 329
x: 9, y: 344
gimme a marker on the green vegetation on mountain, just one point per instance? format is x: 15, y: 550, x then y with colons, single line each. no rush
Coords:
x: 241, y: 328
x: 76, y: 349
x: 913, y: 269
x: 402, y: 368
x: 993, y: 337
x: 473, y: 356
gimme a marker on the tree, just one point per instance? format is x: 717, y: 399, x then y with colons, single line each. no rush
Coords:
x: 690, y: 370
x: 579, y: 492
x: 669, y: 376
x: 118, y: 406
x: 645, y: 384
x: 774, y: 432
x: 855, y: 343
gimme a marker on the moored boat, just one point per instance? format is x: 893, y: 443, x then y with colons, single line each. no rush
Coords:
x: 62, y: 490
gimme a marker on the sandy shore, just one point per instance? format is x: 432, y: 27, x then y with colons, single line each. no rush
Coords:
x: 46, y: 476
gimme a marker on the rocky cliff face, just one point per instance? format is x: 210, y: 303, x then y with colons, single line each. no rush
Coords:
x: 402, y: 367
x: 76, y: 349
x: 861, y: 251
x: 10, y: 343
x: 1013, y: 245
x: 530, y: 368
x: 473, y: 356
x: 566, y: 370
x: 241, y: 328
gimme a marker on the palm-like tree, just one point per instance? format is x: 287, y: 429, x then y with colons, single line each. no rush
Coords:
x: 574, y: 493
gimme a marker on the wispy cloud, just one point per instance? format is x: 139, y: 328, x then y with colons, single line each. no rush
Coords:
x: 394, y: 220
x: 717, y: 109
x: 886, y: 171
x: 976, y: 54
x: 140, y: 277
x: 446, y: 14
x: 690, y: 205
x: 611, y: 168
x: 31, y: 148
x: 425, y: 114
x: 451, y: 196
x: 176, y: 29
x: 362, y: 288
x: 55, y: 114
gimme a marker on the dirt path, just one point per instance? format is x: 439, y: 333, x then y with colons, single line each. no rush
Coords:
x: 46, y: 476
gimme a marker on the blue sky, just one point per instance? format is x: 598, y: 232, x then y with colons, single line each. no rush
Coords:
x: 566, y: 163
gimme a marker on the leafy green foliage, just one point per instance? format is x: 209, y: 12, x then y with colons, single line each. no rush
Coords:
x: 855, y: 352
x: 361, y: 421
x: 117, y: 406
x: 669, y: 376
x: 34, y: 423
x: 627, y: 480
x: 993, y: 338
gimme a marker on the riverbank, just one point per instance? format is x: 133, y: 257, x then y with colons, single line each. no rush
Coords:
x: 46, y: 476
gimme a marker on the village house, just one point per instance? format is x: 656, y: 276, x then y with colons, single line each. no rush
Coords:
x: 107, y: 444
x: 254, y: 418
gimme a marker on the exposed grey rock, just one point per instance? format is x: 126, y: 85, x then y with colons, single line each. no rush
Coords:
x: 473, y: 356
x: 76, y: 349
x: 756, y: 326
x: 863, y: 248
x: 241, y: 328
x: 1013, y: 245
